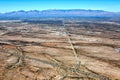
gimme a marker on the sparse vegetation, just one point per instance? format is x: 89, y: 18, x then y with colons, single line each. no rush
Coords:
x: 50, y: 50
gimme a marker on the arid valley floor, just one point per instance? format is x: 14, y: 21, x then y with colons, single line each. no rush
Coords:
x: 71, y: 51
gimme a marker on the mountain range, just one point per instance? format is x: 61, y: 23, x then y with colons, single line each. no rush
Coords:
x: 59, y: 13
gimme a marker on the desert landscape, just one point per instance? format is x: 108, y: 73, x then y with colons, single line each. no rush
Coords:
x: 59, y: 50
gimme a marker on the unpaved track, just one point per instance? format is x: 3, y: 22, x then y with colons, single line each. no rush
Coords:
x: 81, y: 68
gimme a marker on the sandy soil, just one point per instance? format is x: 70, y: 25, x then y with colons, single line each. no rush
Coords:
x: 46, y: 54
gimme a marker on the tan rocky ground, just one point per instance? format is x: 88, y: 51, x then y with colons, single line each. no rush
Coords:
x: 45, y: 53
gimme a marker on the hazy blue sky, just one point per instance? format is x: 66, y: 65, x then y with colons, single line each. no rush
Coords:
x: 15, y: 5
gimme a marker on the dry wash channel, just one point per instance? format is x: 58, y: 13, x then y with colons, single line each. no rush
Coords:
x: 40, y: 52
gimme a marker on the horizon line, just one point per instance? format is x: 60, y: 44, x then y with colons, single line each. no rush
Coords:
x: 56, y: 9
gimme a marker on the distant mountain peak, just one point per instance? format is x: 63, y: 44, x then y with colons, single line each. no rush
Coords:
x: 59, y: 13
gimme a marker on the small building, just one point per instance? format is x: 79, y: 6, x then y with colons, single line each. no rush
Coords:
x: 117, y: 49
